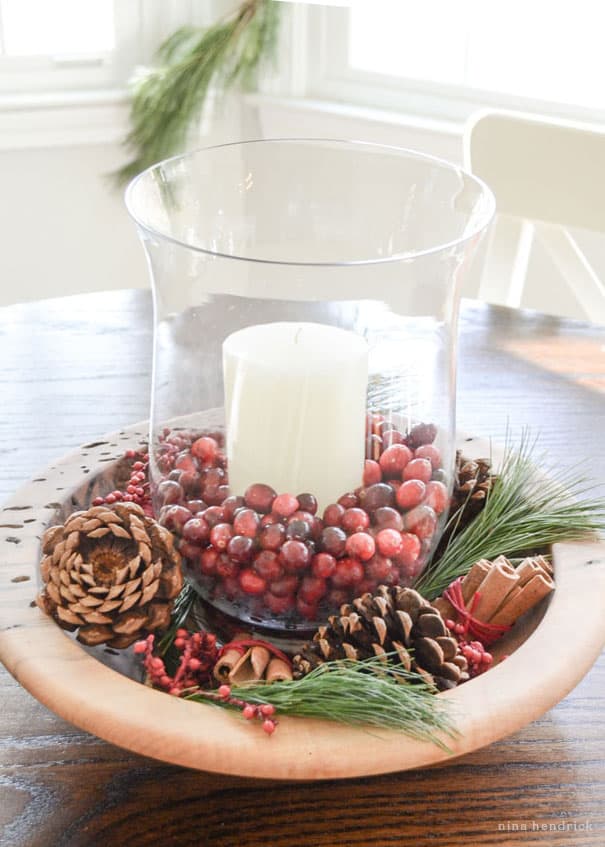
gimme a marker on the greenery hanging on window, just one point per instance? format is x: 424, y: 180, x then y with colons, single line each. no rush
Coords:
x: 170, y: 96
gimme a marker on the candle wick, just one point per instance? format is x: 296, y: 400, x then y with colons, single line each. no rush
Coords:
x: 298, y: 332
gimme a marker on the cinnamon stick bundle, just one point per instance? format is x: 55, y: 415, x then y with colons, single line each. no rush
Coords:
x: 497, y: 593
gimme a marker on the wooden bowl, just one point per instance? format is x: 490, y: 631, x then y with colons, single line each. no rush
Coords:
x: 548, y: 657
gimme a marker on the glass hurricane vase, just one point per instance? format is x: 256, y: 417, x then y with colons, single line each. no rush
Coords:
x: 303, y: 403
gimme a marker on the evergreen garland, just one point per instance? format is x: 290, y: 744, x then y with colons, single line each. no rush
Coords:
x: 169, y: 97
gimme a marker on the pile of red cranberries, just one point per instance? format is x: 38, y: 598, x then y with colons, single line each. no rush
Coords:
x: 272, y: 555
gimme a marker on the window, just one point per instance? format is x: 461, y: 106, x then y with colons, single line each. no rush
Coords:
x: 445, y: 58
x: 67, y: 44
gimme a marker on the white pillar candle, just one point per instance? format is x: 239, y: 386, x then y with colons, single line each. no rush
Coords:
x: 295, y: 405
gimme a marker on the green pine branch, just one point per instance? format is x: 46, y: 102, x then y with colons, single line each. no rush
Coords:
x: 530, y: 506
x: 169, y: 97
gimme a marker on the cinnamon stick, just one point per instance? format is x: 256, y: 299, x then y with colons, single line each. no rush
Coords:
x: 226, y: 663
x: 474, y: 578
x: 250, y: 667
x: 278, y: 671
x: 501, y: 578
x: 538, y: 587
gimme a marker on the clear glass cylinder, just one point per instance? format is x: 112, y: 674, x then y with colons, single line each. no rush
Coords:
x: 303, y: 403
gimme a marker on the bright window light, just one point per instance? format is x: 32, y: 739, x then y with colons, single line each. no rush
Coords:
x: 56, y: 27
x: 540, y: 49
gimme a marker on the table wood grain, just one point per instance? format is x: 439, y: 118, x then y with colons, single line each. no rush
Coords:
x: 74, y: 368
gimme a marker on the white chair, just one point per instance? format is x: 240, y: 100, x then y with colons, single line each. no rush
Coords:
x: 547, y: 176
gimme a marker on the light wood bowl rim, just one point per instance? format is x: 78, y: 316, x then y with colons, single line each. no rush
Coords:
x: 70, y: 682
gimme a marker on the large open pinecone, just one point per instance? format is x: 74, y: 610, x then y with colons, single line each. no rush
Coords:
x: 394, y: 620
x: 110, y: 573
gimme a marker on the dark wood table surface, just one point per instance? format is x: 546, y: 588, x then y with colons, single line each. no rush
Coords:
x: 75, y: 368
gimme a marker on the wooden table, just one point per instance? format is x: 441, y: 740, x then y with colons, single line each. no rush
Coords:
x: 75, y: 368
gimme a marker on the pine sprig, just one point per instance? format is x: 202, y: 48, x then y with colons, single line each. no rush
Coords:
x: 359, y: 693
x: 168, y: 98
x: 529, y: 506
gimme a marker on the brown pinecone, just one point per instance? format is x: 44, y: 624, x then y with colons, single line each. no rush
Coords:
x: 395, y: 620
x: 110, y: 573
x: 472, y: 483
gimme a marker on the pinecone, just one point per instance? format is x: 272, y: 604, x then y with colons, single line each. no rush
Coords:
x: 472, y: 483
x: 393, y: 620
x: 110, y: 573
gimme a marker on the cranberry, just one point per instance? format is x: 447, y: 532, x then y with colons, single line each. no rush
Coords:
x: 436, y: 496
x: 294, y: 555
x: 214, y: 515
x: 186, y: 462
x: 333, y: 514
x: 388, y: 518
x: 299, y: 530
x: 430, y: 452
x: 337, y: 597
x: 278, y: 605
x: 347, y: 573
x: 269, y: 520
x: 188, y: 550
x: 226, y: 568
x: 388, y: 542
x: 410, y: 493
x: 306, y: 610
x: 421, y: 434
x: 174, y: 518
x: 205, y: 448
x: 409, y: 551
x: 220, y: 535
x: 230, y: 587
x: 377, y: 496
x: 366, y: 586
x: 285, y: 586
x: 196, y: 530
x: 196, y: 506
x: 312, y: 589
x: 240, y: 549
x: 252, y: 583
x: 394, y: 460
x: 378, y: 568
x: 371, y: 472
x: 272, y: 537
x: 266, y: 564
x: 333, y: 541
x: 422, y: 521
x: 349, y: 500
x: 285, y: 505
x: 260, y: 497
x: 355, y: 520
x: 360, y: 545
x: 390, y: 437
x: 208, y: 560
x: 307, y: 503
x: 215, y: 494
x: 169, y: 492
x: 213, y: 477
x: 231, y: 505
x: 323, y: 565
x: 418, y: 469
x: 246, y: 522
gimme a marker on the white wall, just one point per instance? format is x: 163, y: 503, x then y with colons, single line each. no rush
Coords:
x: 64, y: 228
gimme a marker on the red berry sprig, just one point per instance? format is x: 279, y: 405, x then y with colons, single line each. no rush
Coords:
x: 478, y: 658
x: 199, y: 654
x: 137, y: 487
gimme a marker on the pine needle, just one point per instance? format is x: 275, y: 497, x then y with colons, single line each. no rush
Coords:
x: 168, y: 98
x: 530, y: 506
x: 359, y: 693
